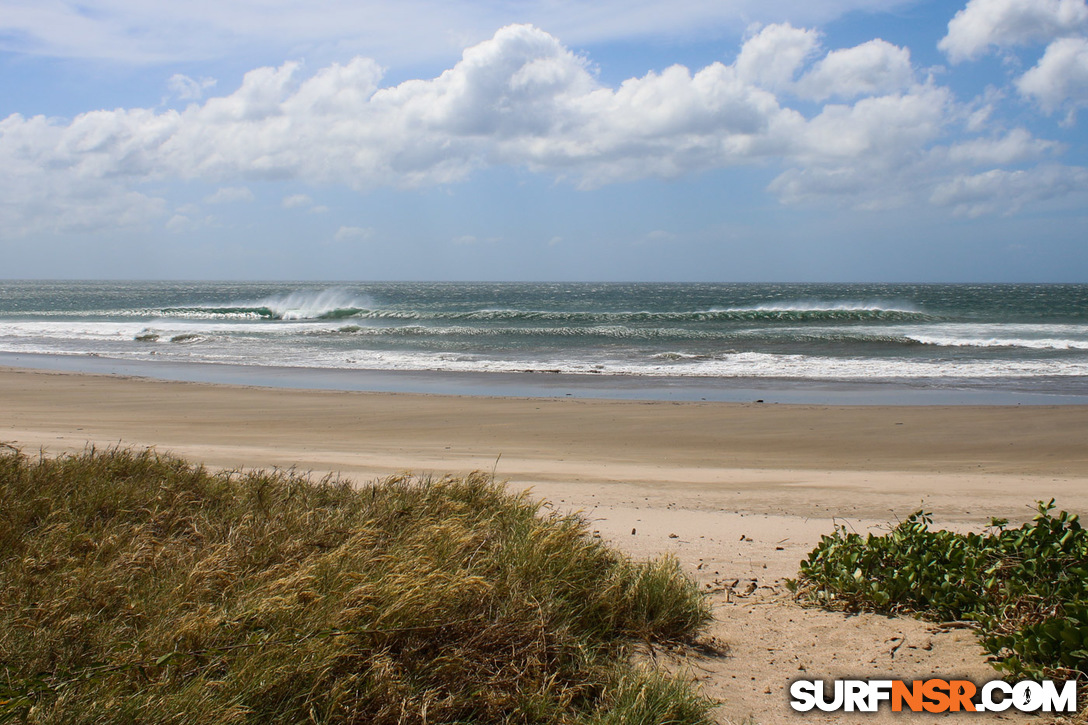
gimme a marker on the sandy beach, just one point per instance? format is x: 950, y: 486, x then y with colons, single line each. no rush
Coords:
x: 740, y: 492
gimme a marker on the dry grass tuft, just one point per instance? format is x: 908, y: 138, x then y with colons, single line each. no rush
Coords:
x: 138, y: 588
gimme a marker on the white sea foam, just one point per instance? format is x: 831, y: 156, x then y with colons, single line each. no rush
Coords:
x: 734, y: 365
x: 313, y: 304
x: 112, y: 330
x: 266, y: 352
x: 1033, y: 337
x: 1033, y: 344
x: 837, y: 306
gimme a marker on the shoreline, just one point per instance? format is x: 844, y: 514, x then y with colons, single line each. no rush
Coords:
x: 554, y: 440
x: 739, y: 492
x: 536, y: 384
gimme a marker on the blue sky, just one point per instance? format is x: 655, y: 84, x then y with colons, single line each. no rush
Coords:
x: 823, y: 140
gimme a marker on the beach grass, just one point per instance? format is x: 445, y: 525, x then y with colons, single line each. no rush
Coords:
x: 139, y: 588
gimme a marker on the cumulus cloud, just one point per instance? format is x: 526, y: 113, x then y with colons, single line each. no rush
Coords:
x: 779, y: 58
x: 1005, y: 191
x: 870, y: 154
x: 1060, y: 76
x: 521, y: 98
x: 773, y: 56
x: 872, y: 68
x: 38, y: 200
x: 986, y: 24
x: 1016, y: 147
x: 886, y: 152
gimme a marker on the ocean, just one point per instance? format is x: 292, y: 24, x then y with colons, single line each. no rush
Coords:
x: 1022, y: 339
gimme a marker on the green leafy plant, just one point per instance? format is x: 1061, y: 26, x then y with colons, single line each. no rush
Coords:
x: 1026, y: 588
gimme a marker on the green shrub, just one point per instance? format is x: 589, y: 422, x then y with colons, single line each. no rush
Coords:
x: 1026, y: 588
x: 137, y: 588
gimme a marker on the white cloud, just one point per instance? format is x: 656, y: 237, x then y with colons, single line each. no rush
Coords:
x: 179, y: 223
x: 978, y: 118
x: 295, y: 201
x: 1016, y: 147
x: 36, y: 199
x: 885, y: 152
x: 1003, y: 191
x: 520, y: 98
x: 229, y: 195
x: 984, y: 24
x: 303, y: 201
x: 523, y: 99
x: 864, y: 70
x: 1060, y: 76
x: 353, y: 234
x: 187, y: 89
x: 407, y: 31
x: 880, y: 129
x: 773, y: 56
x: 818, y: 184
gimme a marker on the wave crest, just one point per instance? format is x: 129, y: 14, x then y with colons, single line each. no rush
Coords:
x: 329, y: 304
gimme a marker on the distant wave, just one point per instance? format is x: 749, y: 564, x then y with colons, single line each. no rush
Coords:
x: 330, y: 304
x: 835, y: 336
x: 336, y: 304
x: 586, y: 317
x: 261, y: 312
x: 830, y: 311
x: 619, y: 332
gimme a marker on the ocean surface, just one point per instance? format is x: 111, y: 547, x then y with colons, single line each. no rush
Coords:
x: 1028, y: 338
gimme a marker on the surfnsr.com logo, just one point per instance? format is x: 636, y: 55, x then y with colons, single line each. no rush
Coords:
x: 933, y: 695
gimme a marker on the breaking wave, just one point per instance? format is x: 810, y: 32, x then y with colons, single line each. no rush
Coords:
x: 1027, y: 343
x: 330, y: 304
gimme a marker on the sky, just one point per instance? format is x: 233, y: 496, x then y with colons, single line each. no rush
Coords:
x: 701, y: 140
